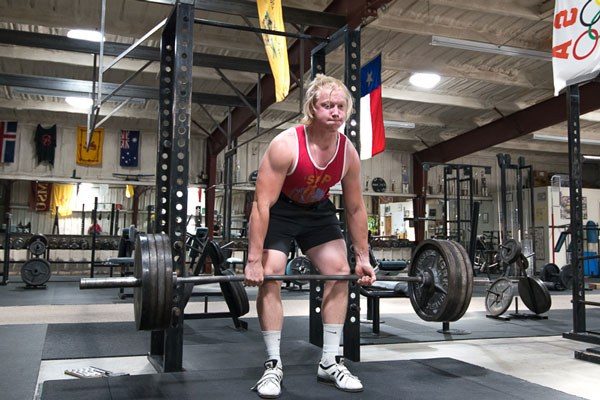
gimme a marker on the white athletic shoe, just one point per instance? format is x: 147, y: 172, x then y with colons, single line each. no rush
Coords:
x: 337, y: 374
x: 269, y: 385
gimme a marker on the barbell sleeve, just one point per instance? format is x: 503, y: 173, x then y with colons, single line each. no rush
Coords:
x: 109, y: 283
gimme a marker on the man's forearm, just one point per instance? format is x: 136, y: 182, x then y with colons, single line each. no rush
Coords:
x: 259, y: 222
x: 357, y: 227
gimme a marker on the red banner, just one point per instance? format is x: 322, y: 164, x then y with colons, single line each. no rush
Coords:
x: 40, y: 196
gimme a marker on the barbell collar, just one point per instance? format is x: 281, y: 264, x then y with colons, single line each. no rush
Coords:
x: 109, y: 283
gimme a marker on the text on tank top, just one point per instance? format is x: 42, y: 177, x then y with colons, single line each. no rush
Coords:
x: 309, y: 183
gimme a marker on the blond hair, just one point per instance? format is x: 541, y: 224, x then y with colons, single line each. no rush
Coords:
x: 313, y: 91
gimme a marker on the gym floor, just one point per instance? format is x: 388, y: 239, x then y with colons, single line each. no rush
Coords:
x: 47, y: 331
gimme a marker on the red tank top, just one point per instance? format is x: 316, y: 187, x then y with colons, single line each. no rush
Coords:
x: 309, y: 183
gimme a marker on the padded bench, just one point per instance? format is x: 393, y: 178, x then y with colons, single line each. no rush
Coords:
x: 374, y: 293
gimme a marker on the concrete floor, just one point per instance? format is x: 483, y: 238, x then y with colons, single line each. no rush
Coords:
x: 547, y: 361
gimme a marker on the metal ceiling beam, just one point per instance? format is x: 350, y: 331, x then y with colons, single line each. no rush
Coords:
x: 55, y: 42
x: 248, y: 9
x: 531, y: 119
x: 84, y: 88
x: 357, y: 11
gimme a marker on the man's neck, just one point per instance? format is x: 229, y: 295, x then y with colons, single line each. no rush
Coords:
x: 321, y: 135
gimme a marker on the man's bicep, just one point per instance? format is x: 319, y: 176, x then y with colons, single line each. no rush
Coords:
x: 271, y: 174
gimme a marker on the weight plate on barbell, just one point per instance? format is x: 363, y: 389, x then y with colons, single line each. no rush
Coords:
x: 468, y: 271
x: 142, y: 295
x: 35, y: 272
x: 566, y: 276
x: 456, y: 302
x: 499, y: 297
x: 434, y: 297
x: 550, y: 273
x: 510, y: 250
x: 297, y: 267
x: 535, y: 294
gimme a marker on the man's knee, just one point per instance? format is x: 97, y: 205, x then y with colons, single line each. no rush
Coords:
x: 270, y: 289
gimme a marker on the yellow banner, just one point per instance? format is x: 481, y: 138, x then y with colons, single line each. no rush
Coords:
x: 63, y: 195
x: 270, y: 16
x: 92, y: 154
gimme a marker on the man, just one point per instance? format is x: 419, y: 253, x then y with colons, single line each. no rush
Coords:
x: 291, y: 202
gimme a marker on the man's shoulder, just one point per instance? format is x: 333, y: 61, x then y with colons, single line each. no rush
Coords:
x: 287, y: 135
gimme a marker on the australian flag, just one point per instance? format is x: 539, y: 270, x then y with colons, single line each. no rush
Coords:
x: 8, y: 141
x: 130, y: 144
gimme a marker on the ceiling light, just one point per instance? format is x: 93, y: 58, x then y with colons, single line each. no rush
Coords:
x: 84, y: 34
x: 424, y: 80
x: 591, y: 158
x: 66, y: 93
x: 563, y: 139
x: 399, y: 124
x: 489, y: 48
x: 82, y: 103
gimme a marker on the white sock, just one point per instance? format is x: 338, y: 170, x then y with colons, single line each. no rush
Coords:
x: 272, y: 342
x: 332, y: 335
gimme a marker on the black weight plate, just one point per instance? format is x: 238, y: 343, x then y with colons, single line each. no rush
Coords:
x: 236, y: 302
x: 455, y: 303
x: 37, y: 248
x: 242, y: 298
x: 143, y: 296
x: 35, y: 272
x: 535, y: 294
x: 378, y: 185
x: 297, y: 267
x: 161, y: 308
x: 253, y: 176
x: 37, y: 244
x: 499, y: 297
x: 431, y: 261
x: 566, y: 276
x: 550, y: 273
x: 468, y: 269
x: 17, y: 243
x: 510, y: 251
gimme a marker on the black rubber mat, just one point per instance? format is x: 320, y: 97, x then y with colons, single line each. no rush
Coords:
x: 114, y: 339
x: 404, y: 328
x: 441, y: 378
x: 20, y: 350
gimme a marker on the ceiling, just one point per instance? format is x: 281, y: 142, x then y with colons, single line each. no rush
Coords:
x: 477, y: 87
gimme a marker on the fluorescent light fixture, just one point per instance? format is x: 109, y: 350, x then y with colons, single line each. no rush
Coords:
x: 65, y: 93
x: 82, y: 103
x: 84, y: 34
x: 591, y: 158
x: 399, y: 124
x: 563, y: 139
x: 424, y: 80
x: 489, y: 48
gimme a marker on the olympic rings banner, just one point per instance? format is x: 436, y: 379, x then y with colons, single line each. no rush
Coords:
x: 575, y: 50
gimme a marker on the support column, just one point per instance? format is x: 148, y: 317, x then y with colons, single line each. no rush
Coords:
x: 172, y: 168
x: 420, y: 200
x: 575, y: 194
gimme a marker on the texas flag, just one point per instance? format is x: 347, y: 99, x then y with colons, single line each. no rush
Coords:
x: 372, y: 132
x: 8, y: 141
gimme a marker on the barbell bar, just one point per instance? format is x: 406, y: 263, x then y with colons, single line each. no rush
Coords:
x: 132, y: 282
x: 440, y: 281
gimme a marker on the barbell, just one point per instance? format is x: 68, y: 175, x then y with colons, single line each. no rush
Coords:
x: 440, y: 281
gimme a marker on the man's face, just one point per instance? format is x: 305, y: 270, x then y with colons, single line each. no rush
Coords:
x: 330, y: 108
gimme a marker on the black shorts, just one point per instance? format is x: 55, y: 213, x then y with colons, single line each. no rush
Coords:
x: 310, y: 225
